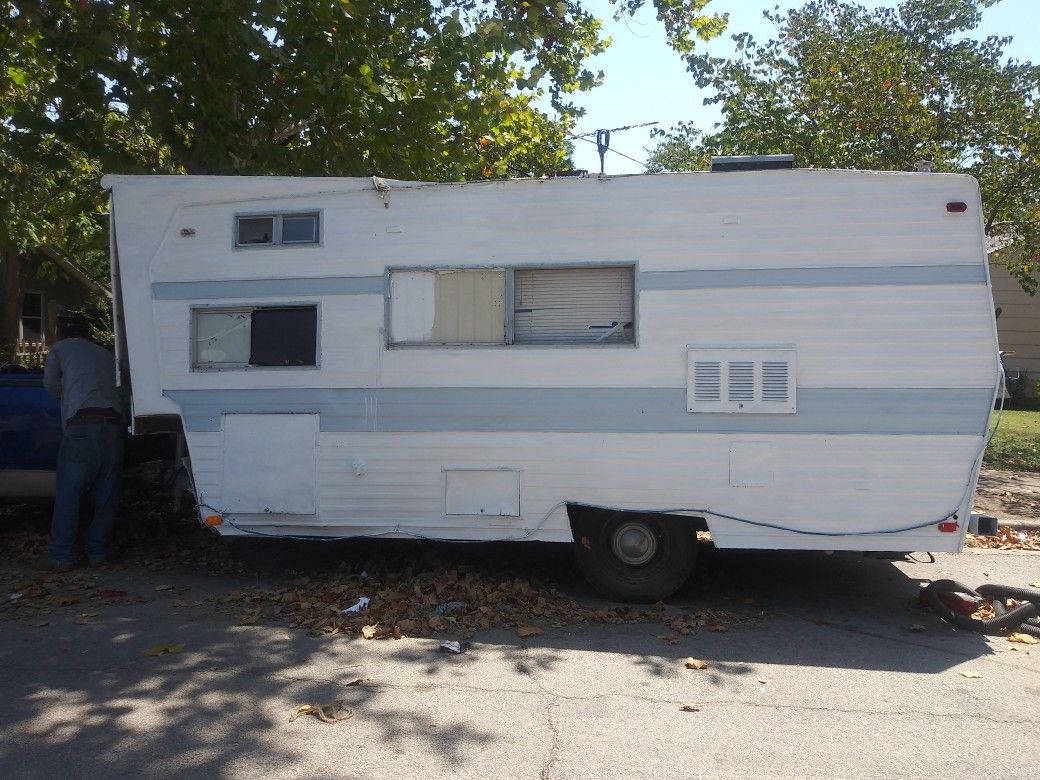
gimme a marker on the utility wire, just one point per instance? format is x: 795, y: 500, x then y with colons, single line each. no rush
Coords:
x: 615, y: 151
x: 613, y: 130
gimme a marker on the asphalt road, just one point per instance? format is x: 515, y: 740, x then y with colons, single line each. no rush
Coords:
x: 825, y: 679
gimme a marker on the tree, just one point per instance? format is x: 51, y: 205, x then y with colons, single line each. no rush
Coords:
x: 843, y: 87
x: 430, y: 89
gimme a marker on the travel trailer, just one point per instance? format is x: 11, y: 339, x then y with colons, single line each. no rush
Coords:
x: 785, y: 358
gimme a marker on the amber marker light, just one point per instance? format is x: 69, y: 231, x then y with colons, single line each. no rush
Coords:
x: 214, y: 520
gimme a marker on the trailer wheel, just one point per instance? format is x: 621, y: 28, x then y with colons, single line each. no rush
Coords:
x: 634, y: 557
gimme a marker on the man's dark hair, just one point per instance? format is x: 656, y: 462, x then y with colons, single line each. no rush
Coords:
x: 71, y: 327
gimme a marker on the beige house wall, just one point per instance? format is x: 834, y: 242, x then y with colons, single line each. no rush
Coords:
x: 1018, y: 325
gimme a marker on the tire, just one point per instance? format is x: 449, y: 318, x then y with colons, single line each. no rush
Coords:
x: 638, y: 558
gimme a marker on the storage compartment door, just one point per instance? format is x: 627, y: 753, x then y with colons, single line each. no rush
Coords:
x: 270, y: 463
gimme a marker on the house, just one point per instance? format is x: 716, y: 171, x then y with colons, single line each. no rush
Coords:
x: 32, y: 297
x: 1018, y: 327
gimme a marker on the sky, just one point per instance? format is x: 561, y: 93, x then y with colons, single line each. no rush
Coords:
x: 645, y: 81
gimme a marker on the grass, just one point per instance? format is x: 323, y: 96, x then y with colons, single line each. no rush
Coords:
x: 1016, y: 446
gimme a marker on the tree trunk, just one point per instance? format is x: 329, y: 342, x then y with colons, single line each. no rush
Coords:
x: 10, y: 301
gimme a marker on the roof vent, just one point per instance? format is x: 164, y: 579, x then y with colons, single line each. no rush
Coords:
x: 753, y: 162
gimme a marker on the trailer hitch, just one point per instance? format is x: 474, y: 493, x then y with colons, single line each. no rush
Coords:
x: 957, y: 604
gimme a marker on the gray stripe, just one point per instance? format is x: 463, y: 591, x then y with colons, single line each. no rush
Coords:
x: 573, y: 410
x: 268, y: 288
x: 812, y: 277
x: 646, y: 280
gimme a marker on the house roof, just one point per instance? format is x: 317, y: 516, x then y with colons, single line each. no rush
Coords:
x: 73, y: 270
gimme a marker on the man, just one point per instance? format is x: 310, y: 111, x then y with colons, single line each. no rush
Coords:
x: 83, y: 375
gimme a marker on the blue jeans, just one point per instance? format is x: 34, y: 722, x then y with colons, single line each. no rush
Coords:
x: 90, y: 459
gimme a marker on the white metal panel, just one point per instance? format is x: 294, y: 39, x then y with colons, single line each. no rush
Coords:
x: 751, y: 464
x: 487, y: 492
x: 350, y: 342
x: 269, y: 464
x: 885, y: 336
x: 816, y: 485
x: 784, y: 219
x: 413, y: 300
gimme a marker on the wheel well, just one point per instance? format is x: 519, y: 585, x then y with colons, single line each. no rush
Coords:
x: 581, y: 515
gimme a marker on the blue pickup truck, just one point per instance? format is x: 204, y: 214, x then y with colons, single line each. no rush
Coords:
x: 30, y: 432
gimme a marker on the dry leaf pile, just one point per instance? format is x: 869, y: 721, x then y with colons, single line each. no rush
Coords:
x: 1007, y: 539
x: 404, y: 603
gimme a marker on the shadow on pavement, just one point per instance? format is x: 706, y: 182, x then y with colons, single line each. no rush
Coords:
x: 84, y: 682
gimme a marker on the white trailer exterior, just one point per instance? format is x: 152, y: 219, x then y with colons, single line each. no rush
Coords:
x: 861, y: 302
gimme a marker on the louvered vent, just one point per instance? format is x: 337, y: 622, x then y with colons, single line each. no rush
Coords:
x: 757, y: 380
x: 740, y: 385
x: 707, y: 380
x: 774, y: 380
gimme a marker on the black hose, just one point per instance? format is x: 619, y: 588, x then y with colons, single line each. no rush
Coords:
x: 991, y: 590
x: 1014, y: 618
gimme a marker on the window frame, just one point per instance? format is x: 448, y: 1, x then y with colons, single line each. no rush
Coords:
x: 42, y: 317
x: 510, y: 292
x: 197, y: 368
x: 276, y: 229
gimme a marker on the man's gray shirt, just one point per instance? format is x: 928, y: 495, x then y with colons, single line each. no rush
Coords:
x: 83, y: 376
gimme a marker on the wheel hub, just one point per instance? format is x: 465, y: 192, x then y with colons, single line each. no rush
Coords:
x: 634, y: 543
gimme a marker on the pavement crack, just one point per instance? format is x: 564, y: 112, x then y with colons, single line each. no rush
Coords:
x: 554, y: 740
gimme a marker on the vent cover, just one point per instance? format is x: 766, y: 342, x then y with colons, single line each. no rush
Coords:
x: 758, y: 380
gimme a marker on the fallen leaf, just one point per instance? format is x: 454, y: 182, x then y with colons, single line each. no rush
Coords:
x: 157, y: 650
x: 688, y: 708
x: 369, y: 632
x: 917, y: 627
x: 113, y: 594
x: 1023, y: 639
x: 332, y: 712
x: 39, y: 623
x: 671, y: 639
x: 398, y: 634
x: 163, y: 587
x: 718, y: 628
x: 178, y: 603
x: 526, y: 631
x: 695, y: 663
x: 89, y: 614
x: 971, y: 675
x: 1034, y: 584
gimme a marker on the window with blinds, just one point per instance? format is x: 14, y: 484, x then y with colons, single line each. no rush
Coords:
x: 566, y: 305
x: 593, y: 305
x: 741, y: 379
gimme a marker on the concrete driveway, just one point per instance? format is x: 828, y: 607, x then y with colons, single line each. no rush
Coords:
x: 822, y: 677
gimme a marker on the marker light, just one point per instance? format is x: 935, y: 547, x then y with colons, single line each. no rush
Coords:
x: 218, y: 520
x: 948, y: 527
x: 956, y: 207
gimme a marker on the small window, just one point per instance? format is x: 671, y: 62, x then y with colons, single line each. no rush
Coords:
x: 31, y: 324
x: 259, y: 336
x: 563, y: 305
x: 573, y: 305
x: 450, y: 306
x: 277, y: 229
